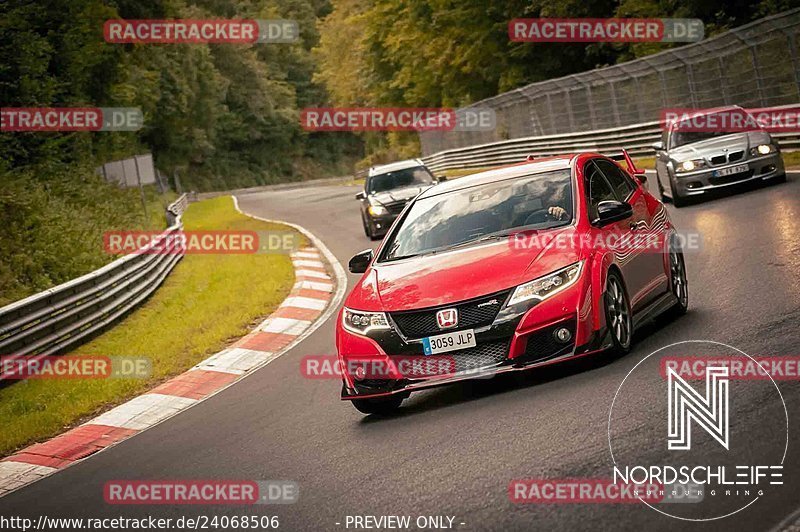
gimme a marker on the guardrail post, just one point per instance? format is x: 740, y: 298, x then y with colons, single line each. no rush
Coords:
x: 726, y: 99
x: 568, y: 103
x: 614, y: 106
x: 590, y: 103
x: 793, y: 53
x: 690, y: 83
x: 759, y: 82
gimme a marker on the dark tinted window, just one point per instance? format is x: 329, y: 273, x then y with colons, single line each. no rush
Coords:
x: 597, y: 187
x: 406, y: 177
x: 620, y: 182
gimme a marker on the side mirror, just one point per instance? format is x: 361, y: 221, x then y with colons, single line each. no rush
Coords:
x: 361, y: 195
x: 360, y: 262
x: 441, y: 178
x: 658, y: 146
x: 612, y: 211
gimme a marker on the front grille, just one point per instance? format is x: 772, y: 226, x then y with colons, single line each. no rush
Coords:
x: 396, y: 208
x: 735, y: 156
x: 730, y: 178
x: 732, y: 157
x: 484, y: 355
x: 471, y: 314
x: 542, y: 345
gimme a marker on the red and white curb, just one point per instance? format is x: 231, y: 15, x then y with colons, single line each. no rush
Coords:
x: 318, y: 290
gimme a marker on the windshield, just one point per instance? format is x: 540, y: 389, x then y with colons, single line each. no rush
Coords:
x: 418, y: 175
x: 479, y: 213
x: 687, y: 135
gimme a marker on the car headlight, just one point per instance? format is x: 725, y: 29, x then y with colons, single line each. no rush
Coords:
x: 548, y: 285
x: 362, y: 322
x: 690, y: 166
x: 377, y: 210
x: 762, y: 149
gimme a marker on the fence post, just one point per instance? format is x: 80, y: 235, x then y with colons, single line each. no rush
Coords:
x: 795, y: 59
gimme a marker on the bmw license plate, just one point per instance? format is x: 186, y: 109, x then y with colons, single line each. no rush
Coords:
x: 453, y: 341
x: 722, y: 172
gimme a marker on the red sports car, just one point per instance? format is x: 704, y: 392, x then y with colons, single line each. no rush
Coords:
x: 508, y: 270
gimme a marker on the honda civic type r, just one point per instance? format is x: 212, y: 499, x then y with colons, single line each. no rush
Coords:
x: 508, y: 270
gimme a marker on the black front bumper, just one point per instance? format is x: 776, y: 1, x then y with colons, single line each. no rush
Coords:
x: 490, y: 357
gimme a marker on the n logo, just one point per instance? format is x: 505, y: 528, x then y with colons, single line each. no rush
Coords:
x: 686, y: 404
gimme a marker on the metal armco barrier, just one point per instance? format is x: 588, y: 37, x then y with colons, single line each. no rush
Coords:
x: 57, y: 319
x: 637, y: 139
x: 176, y: 209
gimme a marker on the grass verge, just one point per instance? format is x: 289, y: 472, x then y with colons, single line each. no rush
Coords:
x: 204, y: 304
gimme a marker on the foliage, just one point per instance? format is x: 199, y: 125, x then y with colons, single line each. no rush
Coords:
x: 53, y: 229
x: 450, y: 53
x: 222, y: 116
x: 204, y: 303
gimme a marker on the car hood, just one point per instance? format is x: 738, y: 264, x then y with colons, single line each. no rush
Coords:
x: 456, y: 275
x: 397, y: 194
x: 715, y: 146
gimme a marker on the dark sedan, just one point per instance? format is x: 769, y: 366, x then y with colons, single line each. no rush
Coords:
x: 387, y: 190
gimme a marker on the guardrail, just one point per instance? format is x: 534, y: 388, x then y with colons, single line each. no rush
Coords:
x: 176, y: 209
x: 637, y: 139
x: 52, y: 321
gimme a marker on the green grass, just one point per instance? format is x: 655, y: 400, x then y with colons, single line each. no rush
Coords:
x: 205, y: 303
x: 791, y: 158
x: 461, y: 172
x: 646, y: 163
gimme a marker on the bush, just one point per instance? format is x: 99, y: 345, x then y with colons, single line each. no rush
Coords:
x: 52, y: 227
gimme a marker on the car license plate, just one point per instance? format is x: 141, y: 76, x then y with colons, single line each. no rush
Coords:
x: 453, y: 341
x: 722, y: 172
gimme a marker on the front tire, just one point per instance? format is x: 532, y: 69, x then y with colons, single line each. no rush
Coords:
x: 677, y: 200
x: 383, y: 406
x: 367, y: 228
x: 678, y: 284
x: 619, y: 319
x: 661, y: 194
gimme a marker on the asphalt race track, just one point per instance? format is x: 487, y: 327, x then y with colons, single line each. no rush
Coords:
x: 452, y: 451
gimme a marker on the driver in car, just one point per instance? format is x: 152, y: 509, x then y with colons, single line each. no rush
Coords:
x: 558, y: 213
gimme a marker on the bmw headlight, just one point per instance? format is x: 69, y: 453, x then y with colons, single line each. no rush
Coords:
x: 762, y: 149
x: 690, y: 166
x: 377, y: 210
x: 362, y: 322
x: 548, y: 285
